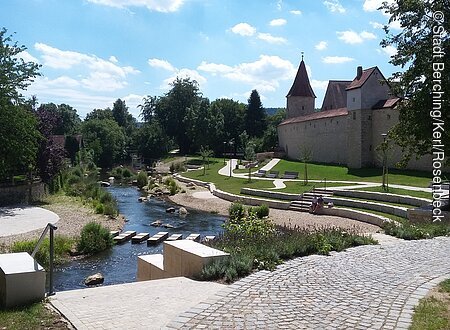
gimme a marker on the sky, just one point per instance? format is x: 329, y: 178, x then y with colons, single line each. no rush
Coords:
x: 93, y: 52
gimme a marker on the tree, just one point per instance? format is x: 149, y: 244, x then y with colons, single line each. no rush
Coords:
x: 250, y: 155
x: 107, y: 140
x: 255, y: 117
x: 100, y: 114
x: 70, y: 122
x: 15, y: 73
x: 305, y: 157
x: 233, y: 113
x: 19, y: 140
x: 120, y: 112
x: 51, y: 153
x: 205, y: 153
x: 151, y: 140
x: 421, y: 46
x: 171, y: 109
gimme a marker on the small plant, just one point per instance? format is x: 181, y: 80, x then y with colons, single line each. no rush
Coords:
x: 62, y: 245
x: 236, y: 211
x: 94, y: 238
x: 142, y: 179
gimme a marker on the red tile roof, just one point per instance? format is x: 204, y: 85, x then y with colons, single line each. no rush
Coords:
x: 316, y: 115
x: 357, y: 83
x: 301, y: 85
x: 389, y: 103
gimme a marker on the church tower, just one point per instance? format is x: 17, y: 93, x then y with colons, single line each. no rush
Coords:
x: 301, y: 97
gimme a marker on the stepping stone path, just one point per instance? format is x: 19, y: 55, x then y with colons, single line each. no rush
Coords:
x: 367, y: 287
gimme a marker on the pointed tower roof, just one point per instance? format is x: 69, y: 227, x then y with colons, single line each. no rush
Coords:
x: 301, y: 85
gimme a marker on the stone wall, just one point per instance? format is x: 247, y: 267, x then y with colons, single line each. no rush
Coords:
x: 22, y: 194
x: 299, y: 106
x: 326, y: 138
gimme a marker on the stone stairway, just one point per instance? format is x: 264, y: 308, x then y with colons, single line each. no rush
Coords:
x: 307, y: 197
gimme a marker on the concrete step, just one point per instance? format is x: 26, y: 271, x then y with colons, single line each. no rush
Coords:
x: 323, y: 192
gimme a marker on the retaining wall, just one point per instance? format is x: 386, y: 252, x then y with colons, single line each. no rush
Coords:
x: 22, y: 194
x: 416, y: 201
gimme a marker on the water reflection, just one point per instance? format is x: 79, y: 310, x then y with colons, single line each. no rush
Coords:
x: 119, y: 264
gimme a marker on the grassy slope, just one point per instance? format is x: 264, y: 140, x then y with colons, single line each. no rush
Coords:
x: 398, y: 191
x: 342, y: 173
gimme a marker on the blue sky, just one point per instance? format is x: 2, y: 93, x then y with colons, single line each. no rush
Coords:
x: 95, y: 51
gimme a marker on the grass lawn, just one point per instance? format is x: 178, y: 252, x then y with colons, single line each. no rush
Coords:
x: 433, y: 312
x: 398, y: 191
x: 225, y: 183
x: 342, y: 173
x: 34, y: 316
x: 294, y: 187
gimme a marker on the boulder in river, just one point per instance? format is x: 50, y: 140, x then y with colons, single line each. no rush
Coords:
x: 168, y: 225
x: 156, y: 223
x: 182, y: 211
x: 94, y: 279
x: 170, y: 210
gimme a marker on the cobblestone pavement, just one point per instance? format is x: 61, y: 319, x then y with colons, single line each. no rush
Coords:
x: 367, y: 287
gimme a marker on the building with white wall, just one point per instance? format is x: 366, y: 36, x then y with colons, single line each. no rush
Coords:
x: 349, y: 126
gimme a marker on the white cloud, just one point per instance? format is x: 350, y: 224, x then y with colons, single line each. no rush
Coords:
x: 373, y: 5
x: 27, y: 57
x: 336, y: 59
x: 377, y: 25
x: 263, y: 74
x: 319, y: 84
x: 296, y: 12
x: 132, y: 101
x: 271, y: 39
x: 96, y: 73
x: 184, y: 73
x: 113, y: 59
x: 322, y: 45
x: 352, y: 37
x: 161, y: 64
x: 334, y: 6
x: 244, y: 29
x: 389, y: 50
x: 367, y: 35
x: 278, y: 22
x: 164, y: 6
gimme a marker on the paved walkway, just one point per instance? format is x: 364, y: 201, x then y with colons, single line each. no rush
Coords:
x: 21, y: 220
x: 368, y: 287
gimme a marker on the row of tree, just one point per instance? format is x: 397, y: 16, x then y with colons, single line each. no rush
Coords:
x: 30, y: 138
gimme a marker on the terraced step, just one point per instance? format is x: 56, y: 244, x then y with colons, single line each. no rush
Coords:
x: 301, y: 206
x: 323, y: 192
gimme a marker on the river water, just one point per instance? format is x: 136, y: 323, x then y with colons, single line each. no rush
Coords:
x: 119, y: 264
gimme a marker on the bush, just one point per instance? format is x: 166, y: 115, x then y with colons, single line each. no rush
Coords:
x: 94, y: 238
x: 408, y: 231
x: 261, y: 211
x: 62, y: 246
x: 126, y: 173
x: 110, y: 209
x: 177, y: 167
x: 142, y: 179
x: 236, y: 211
x: 99, y: 209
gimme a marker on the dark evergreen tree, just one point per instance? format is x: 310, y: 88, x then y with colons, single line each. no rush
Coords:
x: 255, y: 116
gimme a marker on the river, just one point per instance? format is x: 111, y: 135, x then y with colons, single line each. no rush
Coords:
x: 119, y: 264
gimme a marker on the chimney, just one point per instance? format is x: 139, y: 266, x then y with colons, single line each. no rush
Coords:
x: 359, y: 72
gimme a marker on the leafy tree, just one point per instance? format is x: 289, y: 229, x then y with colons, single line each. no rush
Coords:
x: 19, y: 140
x: 171, y: 109
x: 100, y: 114
x: 205, y: 153
x: 270, y: 137
x: 70, y: 122
x: 255, y: 117
x: 51, y: 153
x: 107, y: 140
x: 151, y: 140
x: 233, y: 113
x: 120, y: 113
x: 305, y: 157
x: 250, y: 155
x: 15, y: 73
x: 422, y: 33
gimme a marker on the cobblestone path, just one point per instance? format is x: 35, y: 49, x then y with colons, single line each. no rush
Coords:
x: 367, y: 287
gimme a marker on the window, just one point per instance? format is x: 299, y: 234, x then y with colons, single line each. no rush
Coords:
x: 354, y: 100
x: 370, y: 148
x: 388, y: 117
x: 369, y: 118
x: 303, y: 107
x: 354, y: 115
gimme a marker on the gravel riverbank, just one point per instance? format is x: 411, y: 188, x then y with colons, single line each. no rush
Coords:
x: 200, y: 198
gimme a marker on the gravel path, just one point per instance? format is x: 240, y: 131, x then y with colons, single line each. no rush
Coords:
x: 73, y: 216
x: 197, y: 199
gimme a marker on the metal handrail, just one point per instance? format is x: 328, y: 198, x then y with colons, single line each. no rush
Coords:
x: 52, y: 228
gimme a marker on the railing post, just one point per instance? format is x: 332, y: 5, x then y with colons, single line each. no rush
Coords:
x: 52, y: 249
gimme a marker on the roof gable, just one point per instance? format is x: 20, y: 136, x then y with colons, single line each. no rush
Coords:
x: 336, y: 95
x: 301, y: 85
x: 366, y: 74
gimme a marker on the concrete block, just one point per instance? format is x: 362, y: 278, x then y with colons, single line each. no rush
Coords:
x: 151, y: 267
x: 22, y: 280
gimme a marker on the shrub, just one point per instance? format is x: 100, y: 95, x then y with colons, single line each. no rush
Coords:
x: 236, y: 211
x: 177, y: 167
x: 126, y: 173
x: 94, y: 238
x: 99, y: 209
x: 261, y: 211
x: 110, y: 209
x: 408, y: 231
x: 142, y: 179
x: 62, y: 246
